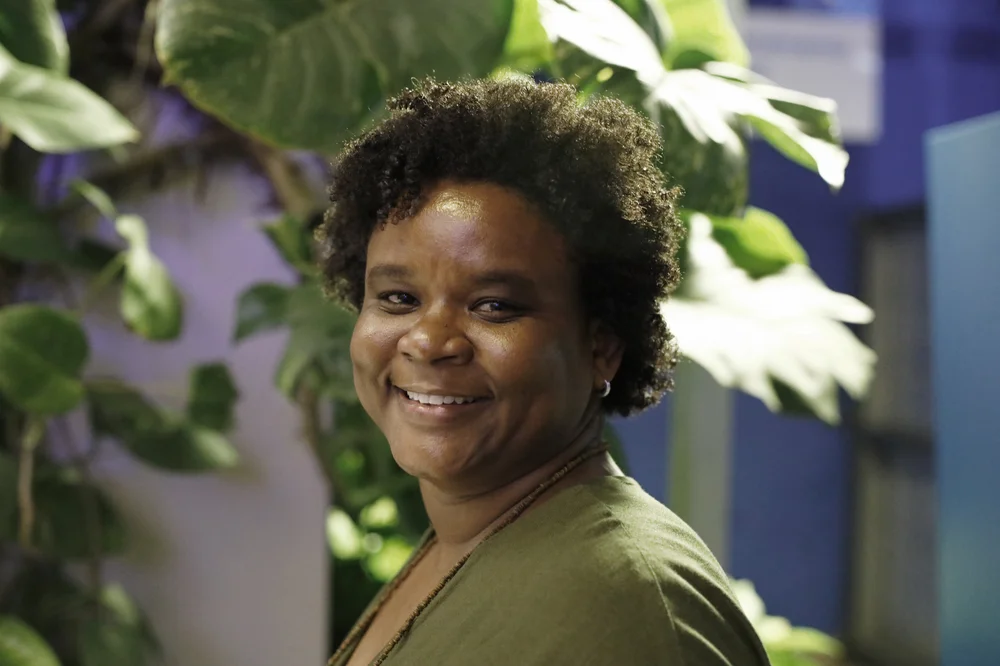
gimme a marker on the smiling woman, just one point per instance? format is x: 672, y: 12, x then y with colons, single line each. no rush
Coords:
x: 507, y: 250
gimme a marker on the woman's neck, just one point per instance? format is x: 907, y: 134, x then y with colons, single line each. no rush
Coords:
x: 461, y: 521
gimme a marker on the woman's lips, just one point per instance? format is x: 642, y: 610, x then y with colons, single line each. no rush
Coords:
x: 437, y: 405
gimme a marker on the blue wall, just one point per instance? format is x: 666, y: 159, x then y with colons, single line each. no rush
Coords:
x: 791, y: 512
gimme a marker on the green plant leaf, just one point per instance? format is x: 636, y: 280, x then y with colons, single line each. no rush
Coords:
x: 334, y: 59
x: 153, y: 436
x: 151, y: 304
x: 55, y: 114
x: 28, y: 234
x: 74, y: 519
x: 704, y: 26
x: 709, y: 107
x: 759, y: 243
x: 42, y: 352
x: 528, y: 46
x: 213, y: 397
x: 96, y: 197
x: 318, y: 345
x: 262, y: 307
x: 817, y: 116
x: 787, y: 327
x: 20, y: 645
x: 117, y: 635
x: 33, y: 33
x: 293, y: 241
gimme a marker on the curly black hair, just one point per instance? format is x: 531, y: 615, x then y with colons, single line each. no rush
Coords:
x: 590, y: 169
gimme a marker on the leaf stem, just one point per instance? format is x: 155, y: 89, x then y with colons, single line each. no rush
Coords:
x: 102, y: 280
x: 33, y: 431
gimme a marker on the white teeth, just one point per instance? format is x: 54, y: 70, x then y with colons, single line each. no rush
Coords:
x: 427, y: 399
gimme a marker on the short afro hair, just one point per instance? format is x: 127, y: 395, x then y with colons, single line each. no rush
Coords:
x: 589, y: 168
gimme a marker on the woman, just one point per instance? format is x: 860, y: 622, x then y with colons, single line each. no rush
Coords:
x: 507, y: 250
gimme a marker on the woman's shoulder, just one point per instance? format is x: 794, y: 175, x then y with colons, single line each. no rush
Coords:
x: 631, y: 568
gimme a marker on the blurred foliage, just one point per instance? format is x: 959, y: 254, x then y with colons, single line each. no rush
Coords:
x: 786, y: 645
x: 749, y: 309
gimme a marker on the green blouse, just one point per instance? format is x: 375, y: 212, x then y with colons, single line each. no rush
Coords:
x: 601, y: 574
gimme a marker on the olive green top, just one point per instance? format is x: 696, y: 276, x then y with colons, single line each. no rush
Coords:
x: 601, y: 574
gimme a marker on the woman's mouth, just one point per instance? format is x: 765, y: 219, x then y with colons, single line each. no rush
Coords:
x: 434, y: 399
x: 438, y: 405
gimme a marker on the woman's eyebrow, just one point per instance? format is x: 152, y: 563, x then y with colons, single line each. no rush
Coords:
x: 508, y: 278
x: 388, y: 272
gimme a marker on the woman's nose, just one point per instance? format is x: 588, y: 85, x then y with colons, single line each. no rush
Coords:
x: 436, y: 337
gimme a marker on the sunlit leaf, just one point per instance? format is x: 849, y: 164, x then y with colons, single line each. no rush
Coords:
x: 245, y: 60
x: 389, y: 558
x: 528, y: 46
x: 55, y: 114
x: 42, y: 352
x: 154, y: 436
x: 343, y: 536
x: 213, y: 395
x: 759, y: 242
x: 20, y: 645
x: 33, y: 33
x: 262, y: 307
x: 787, y: 327
x: 605, y: 31
x: 75, y: 519
x: 28, y: 234
x: 151, y: 305
x: 708, y: 106
x: 705, y: 26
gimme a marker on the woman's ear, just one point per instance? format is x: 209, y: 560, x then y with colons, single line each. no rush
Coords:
x: 608, y: 350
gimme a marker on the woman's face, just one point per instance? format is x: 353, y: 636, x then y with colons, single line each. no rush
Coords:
x: 471, y: 351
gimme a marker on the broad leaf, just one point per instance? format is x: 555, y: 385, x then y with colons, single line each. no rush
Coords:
x: 151, y: 304
x: 787, y: 327
x: 305, y: 74
x: 262, y: 307
x: 28, y: 234
x: 42, y: 352
x: 317, y: 349
x: 708, y: 106
x: 33, y: 33
x: 528, y: 46
x: 153, y: 436
x: 293, y: 241
x: 55, y: 114
x: 74, y: 519
x: 705, y: 26
x: 817, y: 116
x: 118, y: 634
x: 20, y: 645
x: 213, y: 397
x: 759, y: 242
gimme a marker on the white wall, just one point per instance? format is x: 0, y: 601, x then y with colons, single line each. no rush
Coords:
x: 232, y: 568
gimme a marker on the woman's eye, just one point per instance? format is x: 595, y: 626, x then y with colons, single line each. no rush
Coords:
x: 398, y: 299
x: 496, y: 308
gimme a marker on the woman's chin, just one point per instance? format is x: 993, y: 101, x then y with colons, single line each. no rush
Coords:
x: 436, y: 460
